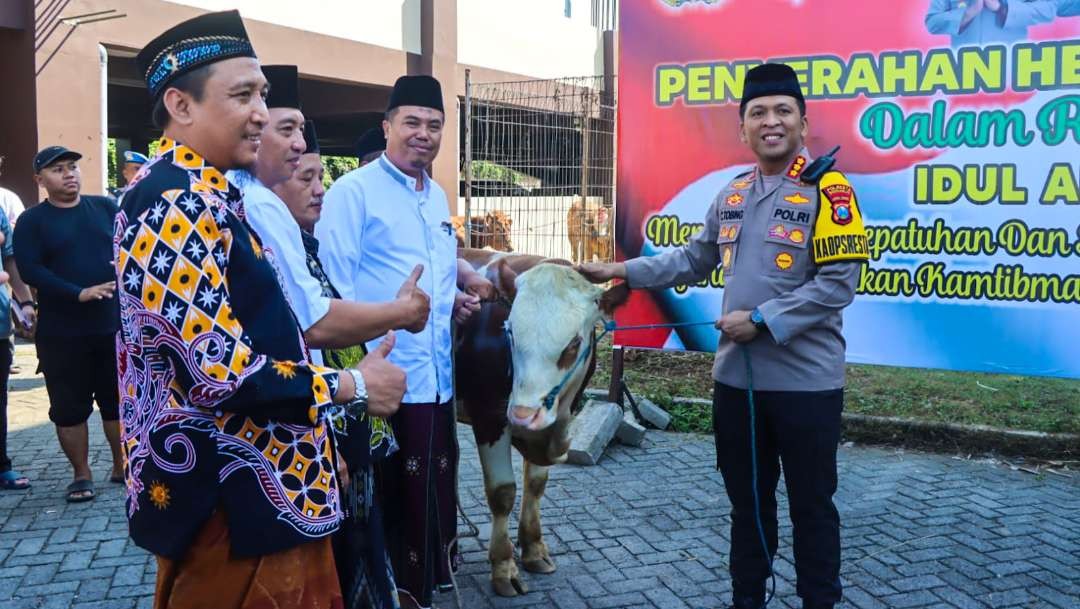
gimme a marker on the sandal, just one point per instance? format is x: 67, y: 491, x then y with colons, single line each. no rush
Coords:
x: 12, y: 480
x: 116, y: 478
x: 80, y: 491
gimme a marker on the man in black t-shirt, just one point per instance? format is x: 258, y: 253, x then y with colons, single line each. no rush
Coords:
x: 63, y: 247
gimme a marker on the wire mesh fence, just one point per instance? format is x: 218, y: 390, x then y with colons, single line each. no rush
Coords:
x: 539, y: 168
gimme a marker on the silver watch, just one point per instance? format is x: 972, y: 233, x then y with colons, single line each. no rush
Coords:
x: 360, y: 393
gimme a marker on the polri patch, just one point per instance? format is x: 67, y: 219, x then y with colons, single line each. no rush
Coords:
x: 734, y: 200
x: 839, y: 196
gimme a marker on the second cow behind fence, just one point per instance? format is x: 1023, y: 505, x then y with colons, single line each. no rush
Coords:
x: 589, y: 229
x: 492, y: 230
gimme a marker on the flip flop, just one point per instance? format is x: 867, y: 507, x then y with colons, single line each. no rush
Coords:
x: 80, y: 491
x: 12, y: 480
x: 116, y: 478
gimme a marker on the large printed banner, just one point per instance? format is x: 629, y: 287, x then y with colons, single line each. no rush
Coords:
x: 961, y: 137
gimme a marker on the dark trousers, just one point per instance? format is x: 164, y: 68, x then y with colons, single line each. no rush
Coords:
x: 5, y: 372
x: 801, y: 431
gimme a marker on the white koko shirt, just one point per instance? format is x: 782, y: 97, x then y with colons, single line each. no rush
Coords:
x: 374, y: 229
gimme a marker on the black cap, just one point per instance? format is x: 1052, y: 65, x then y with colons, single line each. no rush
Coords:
x: 373, y: 140
x: 52, y: 154
x: 416, y: 91
x: 311, y: 138
x: 284, y: 87
x: 770, y: 79
x: 192, y: 44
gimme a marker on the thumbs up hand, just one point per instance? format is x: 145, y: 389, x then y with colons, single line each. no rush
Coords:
x: 384, y: 381
x: 413, y: 302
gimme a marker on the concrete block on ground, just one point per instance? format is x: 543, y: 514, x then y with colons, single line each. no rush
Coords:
x: 592, y: 430
x: 653, y: 414
x: 630, y: 432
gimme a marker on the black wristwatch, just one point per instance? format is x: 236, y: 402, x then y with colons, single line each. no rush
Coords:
x: 758, y: 320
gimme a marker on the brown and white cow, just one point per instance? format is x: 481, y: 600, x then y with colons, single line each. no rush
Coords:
x: 522, y: 388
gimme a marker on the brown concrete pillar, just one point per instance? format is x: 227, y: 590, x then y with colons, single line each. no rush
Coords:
x: 69, y: 93
x: 18, y: 105
x: 438, y: 58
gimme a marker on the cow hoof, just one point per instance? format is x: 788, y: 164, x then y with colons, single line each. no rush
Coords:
x: 539, y: 565
x: 509, y: 586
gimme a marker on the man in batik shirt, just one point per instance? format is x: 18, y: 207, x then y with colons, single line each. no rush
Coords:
x: 228, y: 463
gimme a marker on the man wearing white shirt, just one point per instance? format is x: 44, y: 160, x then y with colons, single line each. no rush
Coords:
x: 379, y: 221
x: 326, y: 322
x: 10, y: 203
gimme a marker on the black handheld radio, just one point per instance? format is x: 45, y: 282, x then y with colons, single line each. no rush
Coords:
x: 818, y: 167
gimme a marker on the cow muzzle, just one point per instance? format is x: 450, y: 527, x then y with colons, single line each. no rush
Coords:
x: 533, y: 419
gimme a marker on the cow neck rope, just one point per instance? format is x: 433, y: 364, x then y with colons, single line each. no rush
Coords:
x: 610, y: 326
x: 754, y: 474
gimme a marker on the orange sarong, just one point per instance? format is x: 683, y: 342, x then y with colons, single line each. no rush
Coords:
x: 303, y: 577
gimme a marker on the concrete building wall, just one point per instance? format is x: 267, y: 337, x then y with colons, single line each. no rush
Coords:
x: 393, y: 24
x: 358, y: 42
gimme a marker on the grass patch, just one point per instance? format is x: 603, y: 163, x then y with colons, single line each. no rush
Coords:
x: 997, y: 400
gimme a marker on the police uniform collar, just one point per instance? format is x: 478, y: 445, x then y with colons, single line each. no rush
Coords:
x: 794, y: 169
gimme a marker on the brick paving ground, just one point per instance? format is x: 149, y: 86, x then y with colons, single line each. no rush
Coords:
x: 644, y: 529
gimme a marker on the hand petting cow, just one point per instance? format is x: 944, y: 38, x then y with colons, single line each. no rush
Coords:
x: 523, y: 363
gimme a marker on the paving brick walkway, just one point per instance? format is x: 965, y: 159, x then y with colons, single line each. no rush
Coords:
x: 646, y: 528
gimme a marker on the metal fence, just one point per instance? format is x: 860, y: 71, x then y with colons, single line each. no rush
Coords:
x: 539, y: 168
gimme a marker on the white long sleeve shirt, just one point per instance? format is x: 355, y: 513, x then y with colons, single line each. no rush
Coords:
x: 376, y: 226
x: 280, y: 235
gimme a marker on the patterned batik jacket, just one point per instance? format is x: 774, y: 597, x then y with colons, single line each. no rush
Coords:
x: 220, y: 406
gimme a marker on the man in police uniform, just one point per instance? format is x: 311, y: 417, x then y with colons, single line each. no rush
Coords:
x: 133, y: 162
x: 791, y: 252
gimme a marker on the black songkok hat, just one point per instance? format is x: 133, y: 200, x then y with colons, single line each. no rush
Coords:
x: 416, y: 91
x: 373, y: 140
x: 311, y: 138
x: 284, y: 87
x: 770, y: 79
x: 192, y: 44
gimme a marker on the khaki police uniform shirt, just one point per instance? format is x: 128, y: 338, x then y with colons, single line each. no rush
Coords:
x: 791, y: 249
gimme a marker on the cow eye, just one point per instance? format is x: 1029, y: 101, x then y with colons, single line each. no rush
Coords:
x: 569, y: 354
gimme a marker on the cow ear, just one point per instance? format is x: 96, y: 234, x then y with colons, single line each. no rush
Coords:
x: 613, y: 298
x: 504, y: 280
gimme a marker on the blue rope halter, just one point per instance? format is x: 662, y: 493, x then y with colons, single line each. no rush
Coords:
x: 609, y: 326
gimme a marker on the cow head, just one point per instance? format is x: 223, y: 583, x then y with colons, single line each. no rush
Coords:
x: 552, y: 321
x: 498, y: 224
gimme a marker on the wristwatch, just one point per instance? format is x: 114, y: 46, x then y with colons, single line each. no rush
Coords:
x: 358, y: 404
x: 758, y: 320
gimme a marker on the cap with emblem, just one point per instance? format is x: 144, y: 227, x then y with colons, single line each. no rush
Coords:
x: 770, y: 79
x: 197, y: 42
x: 422, y: 91
x: 284, y: 87
x: 52, y: 154
x: 311, y: 138
x: 130, y: 156
x: 373, y: 140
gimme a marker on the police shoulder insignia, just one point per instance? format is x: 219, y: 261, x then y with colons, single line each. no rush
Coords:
x: 838, y: 232
x: 743, y: 181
